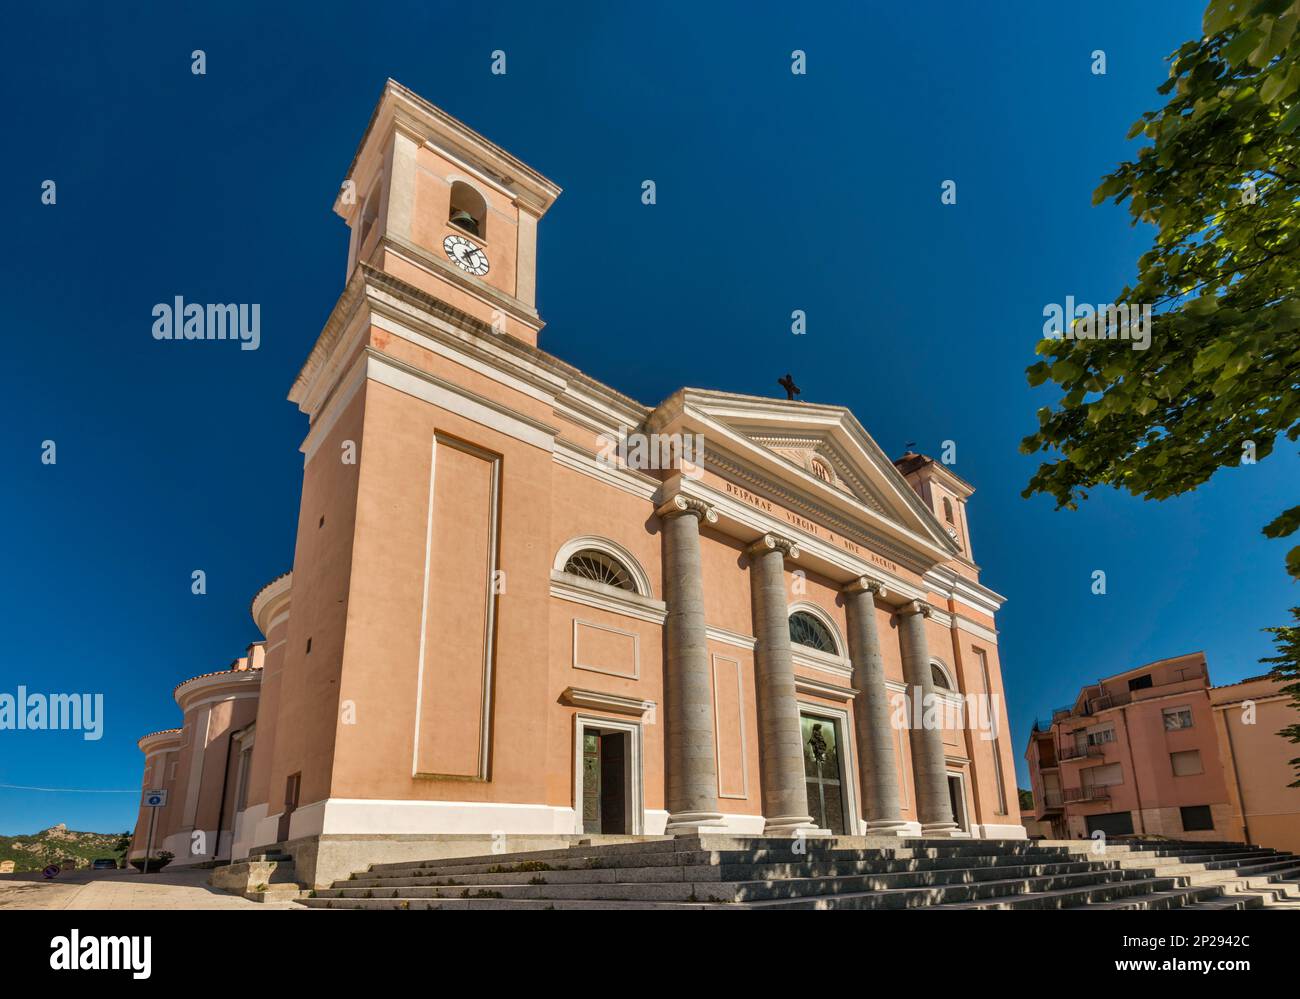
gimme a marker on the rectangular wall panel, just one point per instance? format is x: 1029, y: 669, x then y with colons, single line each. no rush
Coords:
x: 454, y: 712
x: 729, y: 726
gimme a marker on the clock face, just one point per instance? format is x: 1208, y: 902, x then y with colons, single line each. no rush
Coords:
x: 952, y: 532
x: 466, y: 255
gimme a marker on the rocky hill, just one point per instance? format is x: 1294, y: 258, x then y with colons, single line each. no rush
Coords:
x: 52, y: 845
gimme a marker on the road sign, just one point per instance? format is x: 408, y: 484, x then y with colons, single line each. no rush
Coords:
x: 155, y: 799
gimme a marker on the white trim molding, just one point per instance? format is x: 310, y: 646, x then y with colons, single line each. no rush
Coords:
x: 599, y: 700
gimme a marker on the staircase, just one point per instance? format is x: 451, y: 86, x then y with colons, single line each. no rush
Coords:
x: 845, y: 872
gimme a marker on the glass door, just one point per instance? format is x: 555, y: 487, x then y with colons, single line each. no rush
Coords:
x: 822, y: 772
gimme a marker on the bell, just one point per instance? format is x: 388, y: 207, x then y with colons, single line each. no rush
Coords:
x: 465, y: 220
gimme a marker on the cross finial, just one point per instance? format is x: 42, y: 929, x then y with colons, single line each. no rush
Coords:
x: 787, y: 383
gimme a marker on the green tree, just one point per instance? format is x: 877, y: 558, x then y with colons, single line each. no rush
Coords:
x: 1286, y: 668
x: 1219, y: 180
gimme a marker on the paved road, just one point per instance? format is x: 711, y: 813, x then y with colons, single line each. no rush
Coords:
x: 121, y: 890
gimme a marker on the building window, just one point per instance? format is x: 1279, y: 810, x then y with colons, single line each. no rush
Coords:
x: 1103, y: 776
x: 1186, y: 763
x: 939, y: 678
x: 947, y: 510
x: 1197, y: 818
x: 1176, y: 718
x: 806, y: 630
x: 1140, y: 682
x: 1101, y: 737
x: 600, y: 568
x: 468, y: 210
x: 822, y: 472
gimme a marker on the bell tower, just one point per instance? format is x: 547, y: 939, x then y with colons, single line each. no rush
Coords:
x: 433, y: 203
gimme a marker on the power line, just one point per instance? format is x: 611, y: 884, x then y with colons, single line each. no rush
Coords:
x: 73, y: 790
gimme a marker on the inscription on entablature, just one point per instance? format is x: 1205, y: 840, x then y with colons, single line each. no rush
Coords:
x: 809, y: 527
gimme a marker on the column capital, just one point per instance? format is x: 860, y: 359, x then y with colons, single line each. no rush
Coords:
x: 865, y: 584
x: 681, y: 505
x: 916, y: 607
x: 773, y: 542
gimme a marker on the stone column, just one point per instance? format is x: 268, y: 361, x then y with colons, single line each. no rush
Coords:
x: 876, y: 760
x: 931, y: 775
x: 691, y: 769
x: 780, y: 741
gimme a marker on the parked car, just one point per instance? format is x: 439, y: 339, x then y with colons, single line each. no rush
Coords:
x: 103, y: 864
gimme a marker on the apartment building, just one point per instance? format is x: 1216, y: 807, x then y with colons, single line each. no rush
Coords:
x: 1135, y: 753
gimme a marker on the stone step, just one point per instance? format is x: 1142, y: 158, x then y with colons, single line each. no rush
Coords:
x: 781, y: 847
x: 730, y: 873
x: 276, y: 893
x: 497, y: 903
x: 1177, y: 898
x: 733, y: 872
x: 726, y: 866
x: 728, y: 892
x: 571, y: 860
x: 1093, y: 895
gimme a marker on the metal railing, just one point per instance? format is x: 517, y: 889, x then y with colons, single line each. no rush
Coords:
x: 1051, y: 800
x: 1079, y: 752
x: 1091, y: 793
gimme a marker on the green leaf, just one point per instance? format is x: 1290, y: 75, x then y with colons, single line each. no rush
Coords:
x: 1287, y: 522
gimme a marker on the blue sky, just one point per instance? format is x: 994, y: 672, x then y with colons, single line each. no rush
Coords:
x: 775, y: 192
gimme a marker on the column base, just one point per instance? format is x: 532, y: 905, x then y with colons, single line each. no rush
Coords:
x: 886, y: 827
x: 941, y: 830
x: 695, y: 823
x: 792, y: 825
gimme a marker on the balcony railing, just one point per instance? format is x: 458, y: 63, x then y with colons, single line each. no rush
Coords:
x: 1107, y: 698
x: 1051, y: 800
x: 1091, y: 793
x: 1080, y: 752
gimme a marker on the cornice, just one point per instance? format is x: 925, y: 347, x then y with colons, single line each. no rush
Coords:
x: 155, y: 741
x: 600, y: 700
x: 731, y: 466
x: 270, y: 600
x: 424, y: 122
x: 209, y: 682
x: 384, y: 294
x: 455, y: 277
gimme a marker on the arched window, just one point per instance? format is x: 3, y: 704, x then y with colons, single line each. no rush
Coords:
x: 468, y: 210
x: 939, y: 677
x: 807, y: 630
x: 947, y: 510
x: 600, y: 567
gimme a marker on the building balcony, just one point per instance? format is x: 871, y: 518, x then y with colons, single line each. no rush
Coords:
x: 1081, y: 752
x: 1075, y: 795
x: 1051, y: 802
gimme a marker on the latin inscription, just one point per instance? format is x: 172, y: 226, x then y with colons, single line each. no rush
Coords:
x: 809, y: 527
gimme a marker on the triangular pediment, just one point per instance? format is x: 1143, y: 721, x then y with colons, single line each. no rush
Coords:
x: 819, y: 458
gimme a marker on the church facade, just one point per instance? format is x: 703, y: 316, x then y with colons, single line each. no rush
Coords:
x: 523, y: 604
